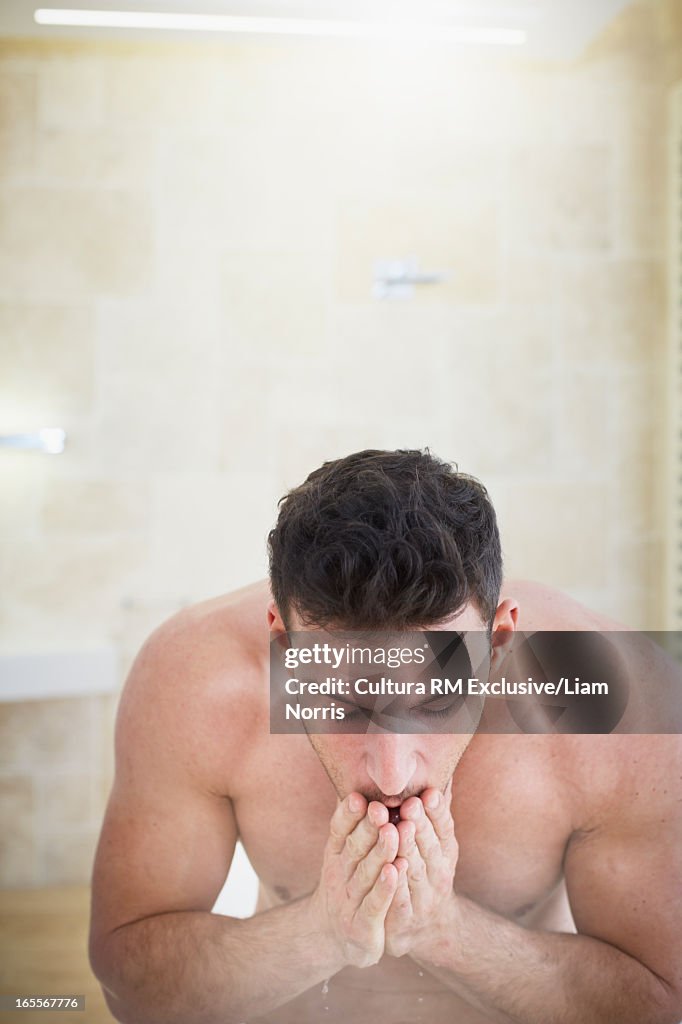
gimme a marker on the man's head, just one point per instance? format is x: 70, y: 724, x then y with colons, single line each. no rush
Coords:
x: 392, y: 540
x: 384, y: 539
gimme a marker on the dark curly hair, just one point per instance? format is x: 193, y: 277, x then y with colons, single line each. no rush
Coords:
x: 385, y: 539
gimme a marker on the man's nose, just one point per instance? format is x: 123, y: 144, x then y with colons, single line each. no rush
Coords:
x: 391, y: 762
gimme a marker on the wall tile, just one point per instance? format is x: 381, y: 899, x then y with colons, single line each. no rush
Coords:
x: 559, y: 197
x: 639, y: 197
x: 158, y: 408
x: 21, y: 485
x: 585, y: 424
x: 636, y: 565
x: 235, y: 511
x: 46, y: 363
x: 46, y: 733
x: 65, y: 801
x: 610, y: 311
x: 585, y: 105
x: 74, y: 583
x: 94, y: 507
x: 17, y: 121
x: 17, y: 835
x: 87, y: 156
x: 69, y: 92
x: 541, y: 536
x: 68, y: 857
x: 105, y: 708
x: 73, y: 242
x: 266, y: 186
x: 155, y: 89
x: 275, y: 302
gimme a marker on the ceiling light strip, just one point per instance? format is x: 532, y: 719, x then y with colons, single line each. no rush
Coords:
x: 176, y: 21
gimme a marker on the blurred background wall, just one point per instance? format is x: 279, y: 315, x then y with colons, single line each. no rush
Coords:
x: 187, y: 237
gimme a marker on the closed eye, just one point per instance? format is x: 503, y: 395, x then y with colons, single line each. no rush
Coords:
x: 427, y: 711
x: 443, y: 712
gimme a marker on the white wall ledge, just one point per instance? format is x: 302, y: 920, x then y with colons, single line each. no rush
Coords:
x: 58, y: 674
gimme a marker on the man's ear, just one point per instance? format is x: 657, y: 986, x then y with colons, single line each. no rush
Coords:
x: 275, y: 620
x: 276, y: 623
x: 504, y: 627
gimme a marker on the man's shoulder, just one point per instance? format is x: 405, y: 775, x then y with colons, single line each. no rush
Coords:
x: 623, y: 784
x: 542, y: 607
x: 223, y: 638
x: 201, y: 676
x: 237, y: 614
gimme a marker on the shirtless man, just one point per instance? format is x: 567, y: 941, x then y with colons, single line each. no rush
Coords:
x: 556, y: 896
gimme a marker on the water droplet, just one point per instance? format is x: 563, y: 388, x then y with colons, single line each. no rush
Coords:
x: 325, y: 989
x: 420, y: 999
x: 421, y: 974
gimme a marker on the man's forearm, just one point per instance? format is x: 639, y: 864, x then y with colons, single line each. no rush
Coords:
x: 193, y: 967
x: 532, y: 977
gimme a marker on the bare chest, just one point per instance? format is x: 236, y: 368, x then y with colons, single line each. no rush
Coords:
x: 511, y: 822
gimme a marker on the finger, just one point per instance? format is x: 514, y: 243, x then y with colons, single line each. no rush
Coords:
x: 377, y: 813
x: 383, y: 852
x: 377, y: 901
x: 438, y: 812
x: 363, y: 837
x: 344, y: 819
x: 425, y: 836
x: 409, y: 851
x: 406, y: 831
x: 401, y: 905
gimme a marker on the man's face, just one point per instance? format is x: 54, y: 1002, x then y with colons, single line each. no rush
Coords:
x: 388, y: 766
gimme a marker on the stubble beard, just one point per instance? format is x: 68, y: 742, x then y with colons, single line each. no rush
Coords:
x: 372, y: 793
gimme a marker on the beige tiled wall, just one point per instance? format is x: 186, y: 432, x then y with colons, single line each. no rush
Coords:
x: 187, y: 236
x: 55, y: 769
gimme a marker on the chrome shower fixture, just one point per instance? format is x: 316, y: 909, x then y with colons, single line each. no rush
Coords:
x: 50, y: 440
x: 396, y: 279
